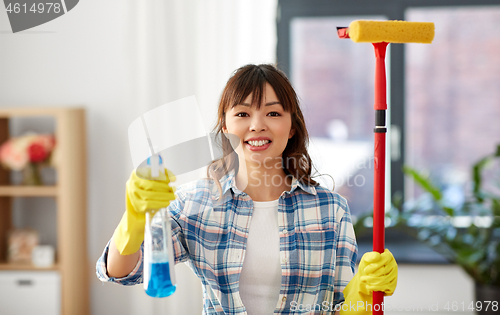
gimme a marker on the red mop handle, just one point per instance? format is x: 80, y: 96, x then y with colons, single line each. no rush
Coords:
x: 379, y: 163
x: 378, y: 210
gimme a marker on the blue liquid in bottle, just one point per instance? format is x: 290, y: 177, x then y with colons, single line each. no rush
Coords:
x: 160, y: 284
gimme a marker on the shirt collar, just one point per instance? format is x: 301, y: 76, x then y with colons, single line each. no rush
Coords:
x: 229, y: 181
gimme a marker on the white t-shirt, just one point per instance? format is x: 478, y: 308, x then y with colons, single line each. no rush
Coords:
x: 260, y: 279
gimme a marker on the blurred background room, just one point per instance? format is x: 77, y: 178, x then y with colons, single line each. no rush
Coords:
x: 116, y: 60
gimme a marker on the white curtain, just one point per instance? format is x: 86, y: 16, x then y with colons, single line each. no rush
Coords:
x: 191, y: 47
x: 180, y: 48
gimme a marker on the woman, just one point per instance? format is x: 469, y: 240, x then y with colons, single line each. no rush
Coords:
x: 261, y: 234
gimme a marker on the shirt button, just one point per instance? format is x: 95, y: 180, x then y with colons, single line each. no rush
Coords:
x: 285, y: 231
x: 284, y: 299
x: 285, y: 260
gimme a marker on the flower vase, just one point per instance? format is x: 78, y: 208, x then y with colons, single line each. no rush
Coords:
x: 32, y: 175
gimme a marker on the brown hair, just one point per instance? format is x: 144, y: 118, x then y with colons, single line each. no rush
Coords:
x: 252, y: 79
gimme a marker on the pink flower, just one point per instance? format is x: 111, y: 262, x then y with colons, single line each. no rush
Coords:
x: 47, y: 141
x: 12, y: 157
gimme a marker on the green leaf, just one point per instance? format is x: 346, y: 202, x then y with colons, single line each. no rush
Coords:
x: 424, y: 182
x: 495, y: 207
x: 477, y: 177
x: 449, y: 211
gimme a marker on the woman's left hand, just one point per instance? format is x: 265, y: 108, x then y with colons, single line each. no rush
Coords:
x: 379, y: 272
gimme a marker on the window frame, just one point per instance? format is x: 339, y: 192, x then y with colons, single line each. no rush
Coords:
x: 393, y: 10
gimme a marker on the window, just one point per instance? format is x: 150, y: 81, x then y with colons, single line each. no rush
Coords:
x: 452, y: 125
x: 334, y: 80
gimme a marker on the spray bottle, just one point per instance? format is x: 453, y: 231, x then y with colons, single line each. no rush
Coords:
x: 159, y: 277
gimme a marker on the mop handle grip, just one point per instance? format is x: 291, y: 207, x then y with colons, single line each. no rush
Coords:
x: 380, y: 78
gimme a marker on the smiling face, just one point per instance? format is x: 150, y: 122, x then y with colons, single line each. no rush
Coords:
x: 263, y: 132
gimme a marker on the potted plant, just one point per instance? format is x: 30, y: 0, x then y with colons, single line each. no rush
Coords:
x: 465, y: 230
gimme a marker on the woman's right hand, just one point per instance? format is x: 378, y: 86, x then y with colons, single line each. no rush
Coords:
x: 142, y: 195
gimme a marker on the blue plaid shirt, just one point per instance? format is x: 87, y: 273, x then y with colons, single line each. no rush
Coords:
x: 317, y: 245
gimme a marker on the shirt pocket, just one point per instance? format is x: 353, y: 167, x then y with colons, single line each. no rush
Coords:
x: 316, y: 248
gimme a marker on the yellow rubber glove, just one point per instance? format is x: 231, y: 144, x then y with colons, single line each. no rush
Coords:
x: 376, y: 272
x: 142, y: 195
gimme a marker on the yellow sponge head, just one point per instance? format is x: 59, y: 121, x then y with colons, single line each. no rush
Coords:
x: 362, y: 31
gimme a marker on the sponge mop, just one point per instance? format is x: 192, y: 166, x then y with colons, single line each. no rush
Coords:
x: 380, y: 34
x: 362, y: 31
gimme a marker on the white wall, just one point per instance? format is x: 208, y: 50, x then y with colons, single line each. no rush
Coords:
x: 89, y: 58
x: 79, y: 59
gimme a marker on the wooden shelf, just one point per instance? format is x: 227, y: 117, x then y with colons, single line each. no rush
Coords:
x: 22, y: 111
x: 28, y: 191
x: 14, y: 267
x: 70, y: 194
